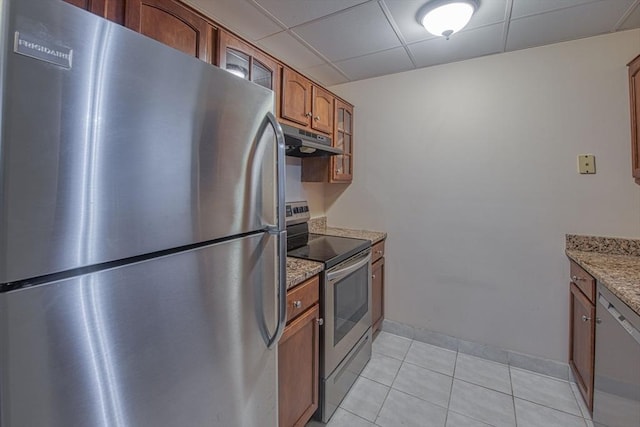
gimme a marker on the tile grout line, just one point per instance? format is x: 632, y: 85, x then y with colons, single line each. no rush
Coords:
x: 354, y: 414
x: 513, y: 396
x: 394, y: 379
x: 545, y: 406
x: 509, y: 367
x: 453, y: 377
x: 581, y: 403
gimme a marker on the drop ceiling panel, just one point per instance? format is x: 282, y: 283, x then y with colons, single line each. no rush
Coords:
x: 340, y: 40
x: 585, y: 20
x: 357, y: 31
x: 377, y: 64
x: 325, y: 74
x: 462, y: 45
x: 404, y: 13
x: 296, y: 12
x: 532, y: 7
x: 632, y: 21
x: 283, y: 45
x: 239, y: 16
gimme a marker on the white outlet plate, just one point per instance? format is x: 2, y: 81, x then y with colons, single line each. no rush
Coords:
x: 586, y: 163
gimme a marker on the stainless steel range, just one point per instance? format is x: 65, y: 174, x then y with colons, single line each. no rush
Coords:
x: 345, y: 304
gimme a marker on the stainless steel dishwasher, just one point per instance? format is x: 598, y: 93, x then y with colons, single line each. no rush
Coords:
x: 616, y: 401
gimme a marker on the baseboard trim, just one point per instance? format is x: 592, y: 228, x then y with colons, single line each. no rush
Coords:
x: 548, y: 367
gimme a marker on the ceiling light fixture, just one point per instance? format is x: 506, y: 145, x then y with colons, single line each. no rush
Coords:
x: 445, y: 17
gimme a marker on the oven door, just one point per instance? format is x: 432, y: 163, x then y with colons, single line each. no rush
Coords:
x: 347, y: 308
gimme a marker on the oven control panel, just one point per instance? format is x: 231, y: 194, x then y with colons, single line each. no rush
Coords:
x: 297, y: 212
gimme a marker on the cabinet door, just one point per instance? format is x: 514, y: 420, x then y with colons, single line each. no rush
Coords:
x: 582, y: 342
x: 173, y: 24
x: 247, y: 62
x: 342, y: 164
x: 295, y: 97
x: 377, y: 293
x: 298, y: 364
x: 112, y: 10
x: 322, y: 110
x: 634, y: 95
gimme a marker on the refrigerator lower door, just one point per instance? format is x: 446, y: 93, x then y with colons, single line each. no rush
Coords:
x: 172, y: 341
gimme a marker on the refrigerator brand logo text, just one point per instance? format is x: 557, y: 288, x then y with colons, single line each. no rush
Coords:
x: 38, y: 49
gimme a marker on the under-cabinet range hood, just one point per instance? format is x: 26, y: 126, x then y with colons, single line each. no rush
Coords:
x: 302, y: 143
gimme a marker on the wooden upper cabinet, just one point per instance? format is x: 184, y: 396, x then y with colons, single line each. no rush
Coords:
x: 248, y: 62
x: 342, y: 164
x: 295, y: 97
x: 112, y: 10
x: 174, y: 24
x: 305, y: 104
x: 634, y: 95
x: 84, y: 4
x: 338, y: 168
x: 322, y: 110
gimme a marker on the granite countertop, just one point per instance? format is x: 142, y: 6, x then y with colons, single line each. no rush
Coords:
x: 373, y: 236
x: 299, y: 270
x: 319, y: 226
x: 613, y: 262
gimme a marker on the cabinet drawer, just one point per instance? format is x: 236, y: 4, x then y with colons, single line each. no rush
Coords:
x: 302, y: 297
x: 377, y: 251
x: 584, y: 281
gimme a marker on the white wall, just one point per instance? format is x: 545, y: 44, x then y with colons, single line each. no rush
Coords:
x: 297, y: 190
x: 471, y: 169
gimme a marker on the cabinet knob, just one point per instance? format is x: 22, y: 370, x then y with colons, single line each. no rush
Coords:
x: 379, y: 252
x: 576, y: 278
x: 316, y: 118
x: 585, y: 318
x: 320, y: 321
x: 308, y: 114
x: 373, y: 276
x: 297, y: 304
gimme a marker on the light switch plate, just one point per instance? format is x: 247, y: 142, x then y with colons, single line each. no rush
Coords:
x: 586, y: 163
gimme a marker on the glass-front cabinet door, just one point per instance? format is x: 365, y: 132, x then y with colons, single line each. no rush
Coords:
x: 342, y: 164
x: 247, y: 62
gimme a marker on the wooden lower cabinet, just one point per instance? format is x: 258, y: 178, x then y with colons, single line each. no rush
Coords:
x: 298, y: 366
x: 582, y: 327
x: 634, y: 97
x: 377, y: 294
x: 377, y: 285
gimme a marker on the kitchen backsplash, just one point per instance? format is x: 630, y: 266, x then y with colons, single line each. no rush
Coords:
x: 297, y: 190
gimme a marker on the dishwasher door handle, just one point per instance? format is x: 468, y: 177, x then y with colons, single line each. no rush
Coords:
x: 635, y: 334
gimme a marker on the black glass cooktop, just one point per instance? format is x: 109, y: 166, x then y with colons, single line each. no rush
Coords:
x: 331, y: 250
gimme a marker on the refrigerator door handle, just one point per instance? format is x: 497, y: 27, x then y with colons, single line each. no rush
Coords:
x: 279, y: 228
x: 280, y: 174
x: 282, y: 289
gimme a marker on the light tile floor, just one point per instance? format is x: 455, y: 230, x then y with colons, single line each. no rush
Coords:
x: 410, y: 383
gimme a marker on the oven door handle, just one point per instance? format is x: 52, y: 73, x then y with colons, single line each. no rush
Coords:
x: 345, y: 271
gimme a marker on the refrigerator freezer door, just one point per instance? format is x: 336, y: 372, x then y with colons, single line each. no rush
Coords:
x: 114, y: 145
x: 173, y: 341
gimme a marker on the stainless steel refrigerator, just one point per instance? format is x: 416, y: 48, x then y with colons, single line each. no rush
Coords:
x: 142, y: 251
